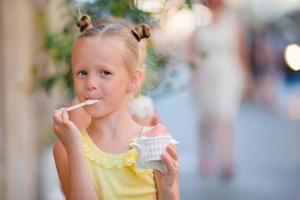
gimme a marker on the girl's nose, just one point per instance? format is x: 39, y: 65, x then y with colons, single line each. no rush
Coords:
x: 91, y: 83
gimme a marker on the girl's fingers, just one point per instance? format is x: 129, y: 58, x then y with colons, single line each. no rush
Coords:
x: 57, y: 120
x: 65, y: 116
x: 66, y: 120
x: 172, y: 151
x: 171, y: 164
x: 61, y: 117
x: 57, y: 116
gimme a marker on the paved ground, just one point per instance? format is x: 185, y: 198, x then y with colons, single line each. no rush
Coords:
x: 267, y: 154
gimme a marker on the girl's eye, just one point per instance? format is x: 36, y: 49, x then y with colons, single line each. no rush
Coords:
x: 82, y: 73
x: 105, y: 74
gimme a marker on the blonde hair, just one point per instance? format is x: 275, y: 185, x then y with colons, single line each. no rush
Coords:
x: 121, y: 30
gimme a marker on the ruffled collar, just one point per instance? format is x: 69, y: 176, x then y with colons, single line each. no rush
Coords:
x: 106, y: 160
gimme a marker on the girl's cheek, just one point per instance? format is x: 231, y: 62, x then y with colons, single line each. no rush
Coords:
x: 79, y: 91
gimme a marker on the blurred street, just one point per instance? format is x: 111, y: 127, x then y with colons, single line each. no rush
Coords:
x: 267, y: 154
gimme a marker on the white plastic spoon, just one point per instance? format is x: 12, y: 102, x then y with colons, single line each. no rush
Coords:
x: 85, y: 103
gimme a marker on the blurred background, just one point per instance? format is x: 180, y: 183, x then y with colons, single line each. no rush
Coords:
x: 36, y: 37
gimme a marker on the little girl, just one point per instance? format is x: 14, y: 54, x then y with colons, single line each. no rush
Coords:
x: 96, y: 163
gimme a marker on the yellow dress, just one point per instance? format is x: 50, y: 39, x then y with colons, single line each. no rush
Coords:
x: 115, y: 176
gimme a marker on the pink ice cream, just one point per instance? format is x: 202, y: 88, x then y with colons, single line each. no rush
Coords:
x: 158, y: 130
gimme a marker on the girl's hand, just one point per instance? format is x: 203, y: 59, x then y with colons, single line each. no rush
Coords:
x: 167, y: 184
x: 65, y: 130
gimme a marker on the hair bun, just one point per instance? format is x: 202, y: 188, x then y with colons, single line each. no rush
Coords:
x: 84, y: 23
x: 141, y: 31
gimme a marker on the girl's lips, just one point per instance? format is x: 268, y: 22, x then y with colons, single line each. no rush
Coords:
x: 92, y: 98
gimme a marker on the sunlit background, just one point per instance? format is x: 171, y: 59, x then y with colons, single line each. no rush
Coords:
x: 34, y: 63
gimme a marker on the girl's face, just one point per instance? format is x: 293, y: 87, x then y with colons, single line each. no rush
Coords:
x: 99, y: 73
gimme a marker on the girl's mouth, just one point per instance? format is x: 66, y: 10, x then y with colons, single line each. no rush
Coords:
x: 92, y: 98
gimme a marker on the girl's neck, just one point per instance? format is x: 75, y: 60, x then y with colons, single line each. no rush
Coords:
x: 114, y: 125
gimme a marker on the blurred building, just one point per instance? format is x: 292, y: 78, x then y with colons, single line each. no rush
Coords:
x: 24, y: 116
x: 18, y: 133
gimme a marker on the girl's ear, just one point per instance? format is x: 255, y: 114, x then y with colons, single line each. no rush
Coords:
x: 135, y: 80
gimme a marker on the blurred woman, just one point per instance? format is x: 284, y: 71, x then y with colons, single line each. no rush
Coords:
x: 218, y: 52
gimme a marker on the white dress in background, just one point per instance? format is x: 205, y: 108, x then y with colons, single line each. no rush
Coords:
x: 219, y: 78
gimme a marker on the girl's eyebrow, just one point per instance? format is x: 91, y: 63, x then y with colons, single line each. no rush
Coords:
x: 83, y: 67
x: 77, y: 66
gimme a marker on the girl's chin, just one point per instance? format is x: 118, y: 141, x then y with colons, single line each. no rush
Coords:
x: 95, y: 113
x: 92, y: 112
